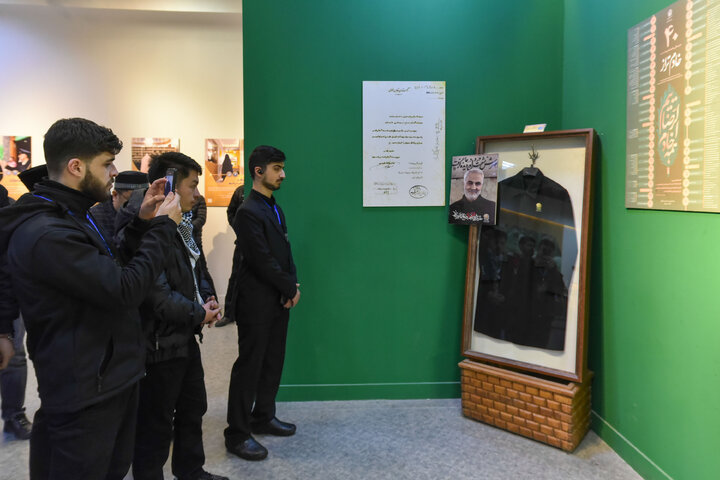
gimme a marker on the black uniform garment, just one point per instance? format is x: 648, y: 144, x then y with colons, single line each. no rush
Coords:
x: 237, y: 199
x: 266, y: 279
x: 173, y: 399
x: 104, y: 215
x: 472, y: 212
x: 84, y: 336
x: 526, y: 263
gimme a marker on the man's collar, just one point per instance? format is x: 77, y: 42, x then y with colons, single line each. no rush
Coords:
x: 74, y: 200
x: 269, y: 200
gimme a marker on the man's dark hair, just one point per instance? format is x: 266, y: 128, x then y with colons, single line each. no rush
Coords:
x: 179, y: 161
x: 264, y: 155
x: 77, y: 138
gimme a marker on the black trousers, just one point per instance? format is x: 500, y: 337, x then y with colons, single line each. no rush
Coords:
x: 172, y: 403
x: 94, y: 443
x: 14, y: 378
x: 230, y: 296
x: 255, y: 376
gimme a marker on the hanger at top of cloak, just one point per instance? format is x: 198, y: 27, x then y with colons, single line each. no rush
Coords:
x: 532, y: 170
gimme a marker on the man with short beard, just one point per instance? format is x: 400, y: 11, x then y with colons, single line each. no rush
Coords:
x: 80, y: 305
x: 472, y: 208
x: 265, y: 291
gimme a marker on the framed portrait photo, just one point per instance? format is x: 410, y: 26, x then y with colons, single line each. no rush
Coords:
x: 526, y: 285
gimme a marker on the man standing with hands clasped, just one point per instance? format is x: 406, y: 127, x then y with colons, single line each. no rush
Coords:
x: 265, y: 291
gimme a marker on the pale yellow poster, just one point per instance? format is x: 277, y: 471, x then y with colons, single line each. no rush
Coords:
x: 224, y: 170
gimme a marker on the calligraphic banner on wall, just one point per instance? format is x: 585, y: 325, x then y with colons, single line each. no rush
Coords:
x: 673, y: 109
x: 15, y: 157
x: 403, y: 144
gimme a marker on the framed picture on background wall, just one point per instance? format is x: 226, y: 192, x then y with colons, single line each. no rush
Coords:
x: 526, y: 288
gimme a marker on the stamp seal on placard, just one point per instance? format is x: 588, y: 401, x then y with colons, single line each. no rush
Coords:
x: 418, y: 191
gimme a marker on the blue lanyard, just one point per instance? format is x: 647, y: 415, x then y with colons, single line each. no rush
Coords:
x: 89, y: 218
x: 274, y: 207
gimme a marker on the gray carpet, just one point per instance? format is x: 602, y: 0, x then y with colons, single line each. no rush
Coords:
x: 377, y: 439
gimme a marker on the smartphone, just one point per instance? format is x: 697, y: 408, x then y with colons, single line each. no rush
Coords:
x: 170, y: 177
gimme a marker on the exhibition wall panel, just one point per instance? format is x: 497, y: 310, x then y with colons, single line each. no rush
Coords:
x: 381, y: 311
x: 141, y: 73
x: 654, y: 310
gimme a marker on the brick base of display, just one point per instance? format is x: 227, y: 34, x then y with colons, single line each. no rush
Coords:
x: 552, y: 412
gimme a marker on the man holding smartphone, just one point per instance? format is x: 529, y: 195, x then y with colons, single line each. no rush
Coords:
x: 173, y: 399
x: 80, y: 305
x: 265, y: 291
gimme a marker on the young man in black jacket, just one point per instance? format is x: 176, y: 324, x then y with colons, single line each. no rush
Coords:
x: 80, y: 304
x: 235, y: 202
x: 265, y: 291
x: 172, y: 395
x: 13, y: 370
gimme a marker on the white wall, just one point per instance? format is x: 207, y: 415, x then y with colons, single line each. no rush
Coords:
x: 141, y: 73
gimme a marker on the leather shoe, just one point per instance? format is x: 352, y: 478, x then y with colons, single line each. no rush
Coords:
x: 203, y: 475
x: 250, y: 449
x: 224, y: 321
x: 19, y: 426
x: 275, y: 427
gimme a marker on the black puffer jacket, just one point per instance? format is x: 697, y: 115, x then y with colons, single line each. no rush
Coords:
x: 8, y: 305
x: 79, y: 304
x: 171, y: 314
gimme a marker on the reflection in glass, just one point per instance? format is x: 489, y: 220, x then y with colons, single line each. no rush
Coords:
x: 526, y: 263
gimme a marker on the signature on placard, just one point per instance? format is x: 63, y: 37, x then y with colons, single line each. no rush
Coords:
x: 418, y: 191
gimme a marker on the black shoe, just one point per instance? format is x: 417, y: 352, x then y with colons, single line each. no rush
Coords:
x: 203, y: 475
x: 224, y: 321
x: 275, y: 427
x: 19, y: 426
x: 250, y: 449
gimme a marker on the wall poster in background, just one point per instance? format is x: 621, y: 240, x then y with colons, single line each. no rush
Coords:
x: 224, y: 170
x: 15, y: 157
x: 143, y: 148
x: 403, y: 144
x: 673, y: 109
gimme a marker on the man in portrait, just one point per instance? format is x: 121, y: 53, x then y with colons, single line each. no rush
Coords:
x: 473, y: 208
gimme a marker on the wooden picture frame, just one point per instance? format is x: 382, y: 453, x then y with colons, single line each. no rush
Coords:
x: 522, y: 327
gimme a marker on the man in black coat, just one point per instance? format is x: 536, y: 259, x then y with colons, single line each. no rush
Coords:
x: 173, y: 399
x: 8, y: 305
x: 265, y: 291
x: 80, y: 306
x: 235, y: 202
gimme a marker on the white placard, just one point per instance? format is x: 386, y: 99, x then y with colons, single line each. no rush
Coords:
x: 403, y: 144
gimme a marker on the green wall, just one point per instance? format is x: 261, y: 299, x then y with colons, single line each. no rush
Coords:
x: 381, y: 311
x: 654, y: 318
x: 382, y: 288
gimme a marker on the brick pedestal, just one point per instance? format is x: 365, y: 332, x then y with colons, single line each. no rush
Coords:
x: 552, y: 412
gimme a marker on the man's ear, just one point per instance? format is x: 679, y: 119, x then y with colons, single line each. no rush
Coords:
x: 76, y: 167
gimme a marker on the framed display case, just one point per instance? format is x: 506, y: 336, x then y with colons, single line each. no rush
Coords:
x: 526, y: 286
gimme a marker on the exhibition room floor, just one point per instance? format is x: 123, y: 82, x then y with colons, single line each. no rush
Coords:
x: 376, y: 439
